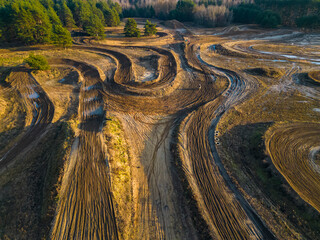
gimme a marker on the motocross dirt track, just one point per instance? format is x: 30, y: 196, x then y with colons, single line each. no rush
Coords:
x: 177, y: 110
x: 40, y: 107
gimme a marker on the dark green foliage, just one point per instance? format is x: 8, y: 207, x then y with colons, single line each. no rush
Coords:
x: 25, y: 21
x: 184, y: 11
x: 37, y: 62
x: 111, y: 16
x: 47, y: 3
x: 61, y: 36
x: 54, y: 19
x: 251, y: 13
x: 292, y: 10
x: 311, y: 21
x: 66, y: 16
x: 94, y: 27
x: 150, y: 28
x: 269, y: 19
x: 131, y: 29
x: 40, y: 21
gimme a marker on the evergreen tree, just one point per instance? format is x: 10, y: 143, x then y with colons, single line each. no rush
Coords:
x: 131, y: 29
x: 184, y: 10
x: 111, y: 17
x: 84, y: 14
x: 116, y: 17
x: 150, y: 28
x: 117, y: 7
x: 47, y: 3
x: 54, y: 19
x: 94, y: 27
x: 61, y: 36
x: 311, y: 21
x: 66, y: 16
x: 28, y: 22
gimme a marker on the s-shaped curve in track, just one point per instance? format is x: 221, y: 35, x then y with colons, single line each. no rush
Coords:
x: 226, y: 227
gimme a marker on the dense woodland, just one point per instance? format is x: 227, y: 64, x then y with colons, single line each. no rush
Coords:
x: 48, y: 21
x: 268, y: 13
x: 51, y: 21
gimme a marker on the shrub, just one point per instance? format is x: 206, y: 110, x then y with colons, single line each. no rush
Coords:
x: 37, y: 62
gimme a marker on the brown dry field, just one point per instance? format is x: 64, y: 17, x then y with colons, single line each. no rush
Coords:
x: 216, y: 137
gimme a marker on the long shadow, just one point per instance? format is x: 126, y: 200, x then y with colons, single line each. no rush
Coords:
x: 29, y: 187
x: 305, y: 80
x: 246, y: 146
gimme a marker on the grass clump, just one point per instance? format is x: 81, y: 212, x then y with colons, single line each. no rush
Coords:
x: 37, y: 62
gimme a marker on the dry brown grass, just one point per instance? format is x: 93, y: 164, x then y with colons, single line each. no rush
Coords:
x: 121, y: 179
x: 315, y: 76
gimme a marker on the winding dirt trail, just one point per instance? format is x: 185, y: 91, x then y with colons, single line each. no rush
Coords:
x: 41, y: 107
x: 189, y: 96
x: 148, y: 123
x: 228, y: 214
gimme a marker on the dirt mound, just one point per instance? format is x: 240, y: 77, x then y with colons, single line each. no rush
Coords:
x: 174, y: 24
x: 265, y: 72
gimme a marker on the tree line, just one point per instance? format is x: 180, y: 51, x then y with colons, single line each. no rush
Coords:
x: 208, y: 13
x: 48, y: 21
x: 211, y: 13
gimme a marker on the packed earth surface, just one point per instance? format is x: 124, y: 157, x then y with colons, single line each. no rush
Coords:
x: 193, y: 133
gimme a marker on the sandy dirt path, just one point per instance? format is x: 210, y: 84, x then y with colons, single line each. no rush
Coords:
x: 42, y: 109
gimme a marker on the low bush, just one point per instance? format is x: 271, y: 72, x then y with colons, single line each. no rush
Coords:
x: 37, y: 62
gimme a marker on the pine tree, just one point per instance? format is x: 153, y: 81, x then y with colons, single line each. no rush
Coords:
x: 30, y: 22
x: 184, y: 10
x: 131, y: 29
x: 54, y: 19
x: 66, y: 16
x: 150, y: 28
x: 94, y: 27
x: 61, y: 37
x: 111, y: 17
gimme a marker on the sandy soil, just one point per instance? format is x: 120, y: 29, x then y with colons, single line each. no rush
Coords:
x: 170, y: 100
